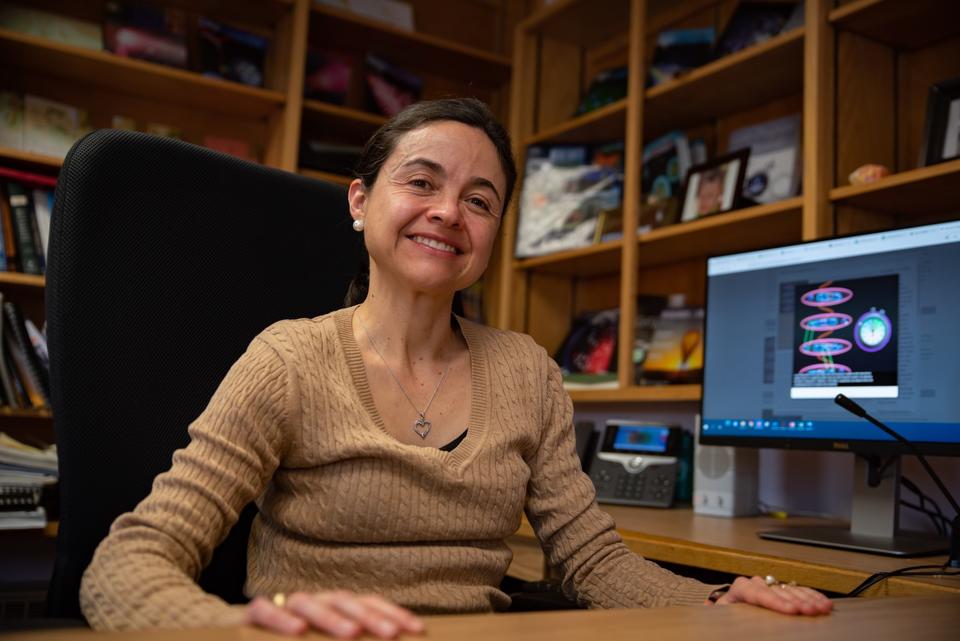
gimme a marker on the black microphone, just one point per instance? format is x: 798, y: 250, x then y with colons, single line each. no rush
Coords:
x: 854, y: 408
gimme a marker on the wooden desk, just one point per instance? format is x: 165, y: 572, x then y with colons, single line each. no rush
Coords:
x: 915, y: 618
x: 731, y: 545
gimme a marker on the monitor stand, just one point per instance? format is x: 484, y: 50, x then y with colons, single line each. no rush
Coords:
x: 874, y: 522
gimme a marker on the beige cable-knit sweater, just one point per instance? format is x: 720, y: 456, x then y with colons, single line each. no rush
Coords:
x: 345, y: 505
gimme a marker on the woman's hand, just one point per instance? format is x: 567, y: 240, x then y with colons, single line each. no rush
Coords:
x: 780, y: 597
x: 340, y: 613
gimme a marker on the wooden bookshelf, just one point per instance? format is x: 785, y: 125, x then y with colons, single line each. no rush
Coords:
x: 338, y: 122
x: 28, y: 160
x: 22, y: 280
x: 639, y: 394
x: 741, y: 230
x: 603, y: 124
x: 927, y: 190
x: 343, y: 29
x: 904, y: 25
x: 104, y: 70
x: 753, y: 76
x: 326, y: 176
x: 601, y: 258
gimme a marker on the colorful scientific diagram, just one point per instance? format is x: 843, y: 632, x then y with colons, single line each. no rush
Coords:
x: 844, y: 337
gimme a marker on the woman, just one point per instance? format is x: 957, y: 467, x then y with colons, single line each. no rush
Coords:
x: 391, y: 446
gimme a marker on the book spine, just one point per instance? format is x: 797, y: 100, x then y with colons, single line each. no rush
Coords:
x: 10, y: 262
x: 37, y: 376
x: 23, y: 229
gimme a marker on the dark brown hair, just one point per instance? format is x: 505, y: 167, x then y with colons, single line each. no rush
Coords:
x: 468, y: 111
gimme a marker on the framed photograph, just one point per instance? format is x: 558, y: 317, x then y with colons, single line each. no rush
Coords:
x: 941, y: 132
x: 714, y: 186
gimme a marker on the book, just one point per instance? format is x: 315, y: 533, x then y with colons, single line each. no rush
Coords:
x: 11, y: 120
x: 25, y: 375
x: 565, y: 189
x: 607, y: 87
x: 10, y: 397
x: 390, y: 89
x: 28, y: 458
x: 665, y: 163
x: 774, y: 165
x: 35, y: 519
x: 146, y: 33
x: 21, y: 210
x: 675, y: 351
x: 19, y: 497
x: 327, y: 76
x: 42, y: 211
x: 751, y: 24
x: 679, y: 50
x: 8, y: 251
x: 39, y: 342
x: 230, y: 53
x: 54, y: 26
x: 588, y: 354
x: 37, y: 379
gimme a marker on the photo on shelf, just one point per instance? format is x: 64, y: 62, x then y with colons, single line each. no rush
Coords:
x: 674, y: 351
x: 565, y: 189
x: 679, y: 50
x: 941, y: 133
x: 146, y: 33
x: 666, y: 161
x: 327, y: 76
x: 754, y: 22
x: 773, y: 171
x: 714, y: 187
x: 230, y: 53
x: 50, y: 128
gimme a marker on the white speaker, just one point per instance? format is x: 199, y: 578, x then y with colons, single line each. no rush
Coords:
x: 724, y: 479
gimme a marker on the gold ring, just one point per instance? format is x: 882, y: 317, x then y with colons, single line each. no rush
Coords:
x: 770, y: 580
x: 279, y: 599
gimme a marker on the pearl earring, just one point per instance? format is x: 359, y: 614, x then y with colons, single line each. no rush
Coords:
x: 358, y: 224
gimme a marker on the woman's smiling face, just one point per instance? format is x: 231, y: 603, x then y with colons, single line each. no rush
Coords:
x: 432, y: 216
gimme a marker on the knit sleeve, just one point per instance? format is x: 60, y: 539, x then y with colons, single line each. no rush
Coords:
x: 143, y: 574
x: 578, y: 538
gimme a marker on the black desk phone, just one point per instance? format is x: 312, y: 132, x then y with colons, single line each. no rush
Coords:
x: 636, y: 463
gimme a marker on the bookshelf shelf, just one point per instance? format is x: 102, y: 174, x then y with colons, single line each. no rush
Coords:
x: 607, y: 123
x: 601, y: 258
x: 32, y: 414
x: 740, y: 230
x: 343, y: 29
x: 327, y: 176
x: 927, y: 190
x: 145, y: 79
x: 340, y: 122
x: 905, y: 25
x: 579, y: 22
x: 28, y: 159
x: 22, y: 280
x: 639, y: 393
x: 756, y: 75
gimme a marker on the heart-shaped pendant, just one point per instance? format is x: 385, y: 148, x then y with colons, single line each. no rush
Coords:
x: 421, y: 426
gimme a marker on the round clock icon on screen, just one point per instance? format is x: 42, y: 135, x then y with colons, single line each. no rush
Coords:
x: 873, y: 330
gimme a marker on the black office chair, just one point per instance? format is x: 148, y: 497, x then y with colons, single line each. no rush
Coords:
x: 166, y: 259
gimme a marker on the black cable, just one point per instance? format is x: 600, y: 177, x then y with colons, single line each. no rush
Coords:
x: 910, y: 485
x: 913, y: 570
x: 929, y: 513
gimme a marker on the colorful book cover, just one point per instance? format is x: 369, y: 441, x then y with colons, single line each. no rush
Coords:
x: 327, y: 76
x: 230, y: 53
x: 390, y: 89
x: 146, y: 33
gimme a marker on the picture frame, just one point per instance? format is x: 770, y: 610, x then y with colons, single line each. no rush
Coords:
x: 715, y: 186
x: 941, y: 131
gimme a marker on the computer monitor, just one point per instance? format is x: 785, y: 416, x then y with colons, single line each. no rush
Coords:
x: 874, y: 316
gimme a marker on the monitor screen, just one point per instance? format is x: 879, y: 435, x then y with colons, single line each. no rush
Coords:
x: 874, y: 316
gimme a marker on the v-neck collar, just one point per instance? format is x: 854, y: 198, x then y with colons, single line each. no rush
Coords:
x: 479, y: 385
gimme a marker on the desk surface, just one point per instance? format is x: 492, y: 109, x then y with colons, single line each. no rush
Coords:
x: 934, y: 618
x: 732, y: 545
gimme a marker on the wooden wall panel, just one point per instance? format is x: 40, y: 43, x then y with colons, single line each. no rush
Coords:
x: 560, y: 81
x: 549, y: 309
x: 866, y: 118
x: 601, y: 292
x: 688, y: 278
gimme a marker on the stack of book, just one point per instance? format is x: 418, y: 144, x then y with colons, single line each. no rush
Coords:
x: 26, y: 204
x: 25, y: 471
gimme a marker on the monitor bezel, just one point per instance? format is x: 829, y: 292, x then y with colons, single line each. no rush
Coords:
x: 870, y: 447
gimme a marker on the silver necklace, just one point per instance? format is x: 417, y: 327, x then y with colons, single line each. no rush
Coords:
x: 421, y: 426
